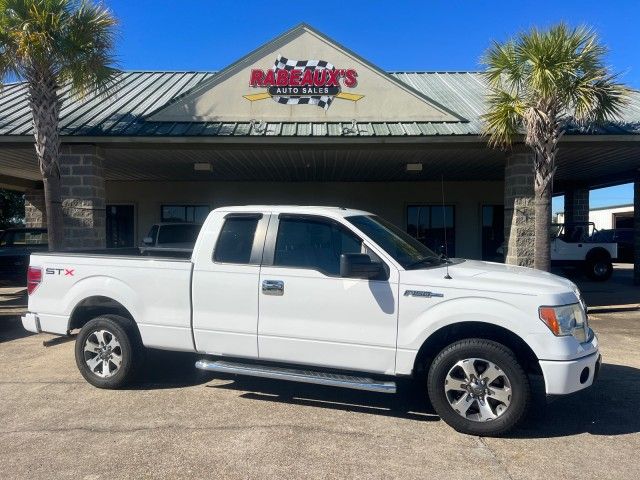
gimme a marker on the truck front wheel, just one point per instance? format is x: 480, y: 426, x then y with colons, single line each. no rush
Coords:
x: 108, y: 351
x: 478, y: 387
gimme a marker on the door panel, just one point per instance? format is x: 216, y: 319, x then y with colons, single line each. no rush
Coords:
x: 329, y: 322
x: 225, y: 295
x: 319, y: 318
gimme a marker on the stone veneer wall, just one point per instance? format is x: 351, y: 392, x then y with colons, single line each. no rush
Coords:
x: 35, y: 213
x: 519, y: 218
x: 576, y: 205
x: 83, y: 196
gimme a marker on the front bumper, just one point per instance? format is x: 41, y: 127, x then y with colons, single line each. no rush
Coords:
x: 564, y: 377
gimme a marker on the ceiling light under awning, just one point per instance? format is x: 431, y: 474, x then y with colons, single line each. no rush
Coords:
x: 414, y: 167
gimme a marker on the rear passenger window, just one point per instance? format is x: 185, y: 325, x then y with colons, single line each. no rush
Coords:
x: 236, y: 239
x: 313, y: 244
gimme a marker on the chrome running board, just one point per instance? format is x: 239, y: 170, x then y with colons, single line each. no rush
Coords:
x: 295, y: 375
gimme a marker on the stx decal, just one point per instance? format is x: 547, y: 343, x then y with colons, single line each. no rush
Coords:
x: 67, y: 272
x: 297, y: 82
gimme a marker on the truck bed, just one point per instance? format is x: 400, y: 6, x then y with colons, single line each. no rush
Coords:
x: 156, y: 291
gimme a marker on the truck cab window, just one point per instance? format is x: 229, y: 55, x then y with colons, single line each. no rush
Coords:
x: 236, y: 240
x: 313, y: 244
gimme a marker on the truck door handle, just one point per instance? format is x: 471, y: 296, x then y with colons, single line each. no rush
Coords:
x: 273, y: 287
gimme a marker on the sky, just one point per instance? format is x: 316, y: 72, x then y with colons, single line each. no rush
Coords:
x: 400, y: 35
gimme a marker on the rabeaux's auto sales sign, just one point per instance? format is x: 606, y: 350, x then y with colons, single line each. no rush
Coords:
x: 304, y: 82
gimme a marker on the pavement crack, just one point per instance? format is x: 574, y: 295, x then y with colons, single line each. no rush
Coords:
x: 485, y: 446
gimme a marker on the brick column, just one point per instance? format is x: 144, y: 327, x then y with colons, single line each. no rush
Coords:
x: 519, y: 217
x: 35, y: 213
x: 82, y: 191
x: 636, y: 231
x: 576, y: 205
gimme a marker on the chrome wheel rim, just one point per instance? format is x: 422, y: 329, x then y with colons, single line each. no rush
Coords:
x: 600, y: 269
x: 478, y: 390
x: 103, y: 353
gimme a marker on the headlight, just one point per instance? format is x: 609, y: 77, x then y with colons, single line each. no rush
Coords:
x: 566, y: 320
x: 579, y: 296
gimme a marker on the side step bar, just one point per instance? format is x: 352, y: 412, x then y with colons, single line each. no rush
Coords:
x: 295, y: 375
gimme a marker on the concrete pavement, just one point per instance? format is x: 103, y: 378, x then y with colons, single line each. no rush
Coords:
x: 186, y: 423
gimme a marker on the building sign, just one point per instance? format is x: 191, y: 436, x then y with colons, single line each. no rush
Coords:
x: 304, y: 82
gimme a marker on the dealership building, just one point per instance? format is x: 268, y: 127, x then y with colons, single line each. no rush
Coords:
x: 304, y: 120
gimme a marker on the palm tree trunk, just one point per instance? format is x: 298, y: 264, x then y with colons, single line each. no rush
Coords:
x: 542, y: 245
x: 45, y: 109
x: 53, y: 205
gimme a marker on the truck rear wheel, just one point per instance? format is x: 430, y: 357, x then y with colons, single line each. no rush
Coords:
x: 599, y: 268
x: 108, y: 351
x: 478, y: 387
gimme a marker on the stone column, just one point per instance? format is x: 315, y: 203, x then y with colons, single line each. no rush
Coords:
x: 83, y: 196
x: 576, y: 205
x: 519, y: 213
x: 35, y: 213
x: 636, y: 231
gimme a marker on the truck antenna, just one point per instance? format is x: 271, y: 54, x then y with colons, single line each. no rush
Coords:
x: 444, y: 224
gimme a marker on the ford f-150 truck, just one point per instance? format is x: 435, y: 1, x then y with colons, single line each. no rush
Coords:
x: 329, y: 296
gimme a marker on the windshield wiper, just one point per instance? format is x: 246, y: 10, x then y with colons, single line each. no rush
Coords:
x: 434, y: 260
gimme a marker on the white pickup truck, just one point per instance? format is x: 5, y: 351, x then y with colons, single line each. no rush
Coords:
x: 329, y: 296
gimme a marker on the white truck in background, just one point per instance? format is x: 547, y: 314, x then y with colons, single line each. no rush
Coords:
x: 329, y: 296
x: 575, y: 245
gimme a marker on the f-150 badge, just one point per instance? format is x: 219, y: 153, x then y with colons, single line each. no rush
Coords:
x: 422, y: 293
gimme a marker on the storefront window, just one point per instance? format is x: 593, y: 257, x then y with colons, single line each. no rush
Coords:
x: 492, y: 233
x: 428, y: 224
x: 184, y: 213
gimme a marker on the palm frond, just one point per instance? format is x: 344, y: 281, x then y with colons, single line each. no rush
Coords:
x: 69, y: 39
x: 560, y: 75
x: 86, y: 49
x: 503, y: 120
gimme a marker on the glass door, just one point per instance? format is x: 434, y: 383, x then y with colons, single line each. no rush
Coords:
x: 120, y: 226
x: 492, y: 232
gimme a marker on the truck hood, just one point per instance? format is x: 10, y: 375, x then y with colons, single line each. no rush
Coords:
x: 477, y: 275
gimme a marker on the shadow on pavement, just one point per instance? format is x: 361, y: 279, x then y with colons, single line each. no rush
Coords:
x: 408, y: 403
x: 609, y: 407
x: 165, y: 369
x: 11, y: 329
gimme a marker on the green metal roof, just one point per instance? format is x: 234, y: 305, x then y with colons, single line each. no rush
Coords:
x: 139, y: 93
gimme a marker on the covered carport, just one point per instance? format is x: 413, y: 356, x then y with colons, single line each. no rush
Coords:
x: 374, y: 173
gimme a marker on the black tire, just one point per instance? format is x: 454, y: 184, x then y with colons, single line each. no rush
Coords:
x: 129, y: 349
x: 599, y: 268
x: 499, y: 355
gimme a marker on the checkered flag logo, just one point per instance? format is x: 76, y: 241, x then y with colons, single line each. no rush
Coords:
x: 323, y: 101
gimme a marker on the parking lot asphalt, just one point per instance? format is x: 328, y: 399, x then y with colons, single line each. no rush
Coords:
x: 181, y: 422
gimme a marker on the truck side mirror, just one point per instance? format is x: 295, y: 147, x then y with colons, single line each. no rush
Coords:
x: 359, y: 265
x: 147, y: 241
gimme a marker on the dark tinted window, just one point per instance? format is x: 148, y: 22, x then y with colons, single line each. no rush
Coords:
x: 433, y: 226
x: 184, y: 213
x: 178, y: 234
x: 313, y: 244
x: 36, y: 237
x: 236, y: 240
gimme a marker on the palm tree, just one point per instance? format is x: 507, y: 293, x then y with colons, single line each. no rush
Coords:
x: 50, y: 43
x: 540, y: 83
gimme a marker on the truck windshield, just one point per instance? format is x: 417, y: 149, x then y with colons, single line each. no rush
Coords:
x: 404, y: 249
